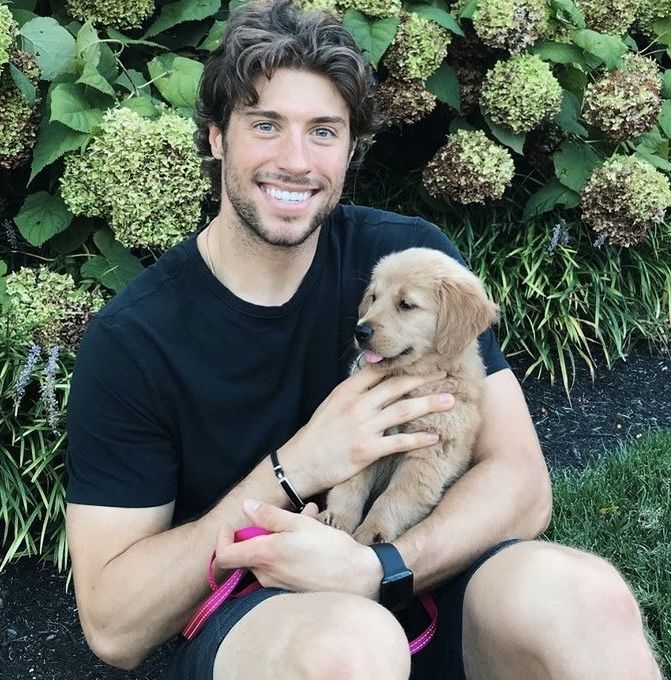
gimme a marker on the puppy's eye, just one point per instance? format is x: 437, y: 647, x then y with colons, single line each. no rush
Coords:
x: 404, y: 306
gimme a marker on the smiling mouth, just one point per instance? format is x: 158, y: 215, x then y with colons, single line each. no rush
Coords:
x: 288, y: 197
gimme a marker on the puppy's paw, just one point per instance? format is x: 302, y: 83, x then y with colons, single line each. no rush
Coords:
x: 336, y: 520
x: 370, y: 532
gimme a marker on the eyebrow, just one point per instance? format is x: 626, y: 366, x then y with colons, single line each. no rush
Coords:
x: 274, y: 115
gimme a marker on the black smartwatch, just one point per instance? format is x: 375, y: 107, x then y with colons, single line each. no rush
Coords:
x: 396, y: 587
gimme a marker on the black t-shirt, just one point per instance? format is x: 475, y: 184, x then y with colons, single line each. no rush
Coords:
x: 180, y: 388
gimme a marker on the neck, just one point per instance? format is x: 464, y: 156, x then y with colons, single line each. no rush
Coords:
x: 252, y: 270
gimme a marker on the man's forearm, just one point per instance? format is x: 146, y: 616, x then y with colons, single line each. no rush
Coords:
x: 495, y: 500
x: 144, y: 595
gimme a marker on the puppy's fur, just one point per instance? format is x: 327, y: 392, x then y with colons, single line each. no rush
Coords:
x: 425, y: 311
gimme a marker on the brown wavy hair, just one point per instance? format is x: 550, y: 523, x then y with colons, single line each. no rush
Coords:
x: 260, y: 38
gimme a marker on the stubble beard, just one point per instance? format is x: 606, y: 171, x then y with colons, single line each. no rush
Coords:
x: 252, y: 224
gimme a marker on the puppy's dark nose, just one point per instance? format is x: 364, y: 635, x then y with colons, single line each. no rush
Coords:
x: 363, y: 332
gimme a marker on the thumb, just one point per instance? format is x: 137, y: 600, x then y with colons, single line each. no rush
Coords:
x: 269, y: 516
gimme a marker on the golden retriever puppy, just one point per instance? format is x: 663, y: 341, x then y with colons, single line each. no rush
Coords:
x: 421, y: 313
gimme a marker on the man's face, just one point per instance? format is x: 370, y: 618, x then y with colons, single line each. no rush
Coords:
x: 284, y: 159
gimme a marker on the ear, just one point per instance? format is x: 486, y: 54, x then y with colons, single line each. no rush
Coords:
x: 464, y: 312
x: 216, y: 140
x: 366, y: 302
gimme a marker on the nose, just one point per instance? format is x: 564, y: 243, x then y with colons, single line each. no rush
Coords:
x: 364, y: 332
x: 294, y: 158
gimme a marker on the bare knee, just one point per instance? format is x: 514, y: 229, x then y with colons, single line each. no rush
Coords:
x: 352, y: 639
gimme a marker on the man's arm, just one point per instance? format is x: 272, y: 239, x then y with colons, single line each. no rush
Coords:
x: 137, y: 581
x: 505, y: 494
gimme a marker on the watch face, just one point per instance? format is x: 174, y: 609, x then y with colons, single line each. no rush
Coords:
x: 396, y: 591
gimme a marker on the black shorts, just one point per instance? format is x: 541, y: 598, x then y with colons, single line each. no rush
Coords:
x: 440, y: 659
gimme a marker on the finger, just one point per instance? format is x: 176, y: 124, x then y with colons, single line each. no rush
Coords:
x: 406, y: 410
x: 392, y: 389
x: 310, y: 510
x: 407, y: 441
x: 269, y: 516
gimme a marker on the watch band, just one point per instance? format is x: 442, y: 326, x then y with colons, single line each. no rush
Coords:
x: 396, y: 586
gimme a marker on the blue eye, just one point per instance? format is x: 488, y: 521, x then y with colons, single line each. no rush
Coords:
x: 265, y: 127
x: 324, y: 133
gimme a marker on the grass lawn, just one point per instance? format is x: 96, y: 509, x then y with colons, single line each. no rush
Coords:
x: 620, y: 508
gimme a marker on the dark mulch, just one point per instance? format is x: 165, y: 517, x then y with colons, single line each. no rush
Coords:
x: 39, y: 631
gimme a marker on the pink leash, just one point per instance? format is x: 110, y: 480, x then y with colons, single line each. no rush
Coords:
x: 222, y: 592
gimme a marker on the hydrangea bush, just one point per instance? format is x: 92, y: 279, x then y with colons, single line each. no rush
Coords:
x: 550, y: 116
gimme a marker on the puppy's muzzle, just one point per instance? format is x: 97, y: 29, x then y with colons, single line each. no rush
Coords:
x: 363, y: 333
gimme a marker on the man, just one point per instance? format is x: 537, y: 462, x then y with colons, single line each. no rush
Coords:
x: 234, y: 345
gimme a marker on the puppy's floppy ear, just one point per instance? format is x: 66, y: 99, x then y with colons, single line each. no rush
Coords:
x: 366, y: 302
x: 464, y: 312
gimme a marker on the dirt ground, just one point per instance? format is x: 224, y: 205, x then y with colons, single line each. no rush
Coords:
x: 40, y: 635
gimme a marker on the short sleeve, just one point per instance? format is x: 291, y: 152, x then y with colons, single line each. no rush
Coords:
x: 430, y: 236
x: 120, y: 452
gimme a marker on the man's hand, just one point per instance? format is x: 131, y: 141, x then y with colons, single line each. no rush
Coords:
x: 347, y: 432
x: 301, y: 554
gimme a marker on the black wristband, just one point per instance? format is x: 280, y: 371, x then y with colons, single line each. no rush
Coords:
x: 289, y: 490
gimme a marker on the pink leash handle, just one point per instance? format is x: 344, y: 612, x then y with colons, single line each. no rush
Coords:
x: 221, y: 593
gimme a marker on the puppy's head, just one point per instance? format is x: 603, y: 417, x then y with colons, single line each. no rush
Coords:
x: 421, y: 302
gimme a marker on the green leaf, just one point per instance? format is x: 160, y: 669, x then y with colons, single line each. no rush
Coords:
x: 142, y: 105
x: 507, y: 137
x: 607, y: 48
x: 88, y: 44
x: 214, y: 36
x: 548, y: 198
x: 574, y: 80
x: 469, y: 9
x: 566, y: 11
x: 574, y: 163
x: 73, y: 237
x: 73, y: 106
x: 558, y: 53
x: 568, y: 115
x: 666, y: 84
x: 653, y: 159
x: 440, y: 16
x: 41, y: 217
x: 22, y: 16
x: 372, y: 36
x: 176, y: 78
x: 460, y: 124
x: 52, y: 45
x: 91, y: 77
x: 3, y: 268
x: 664, y: 118
x: 133, y: 81
x: 124, y: 40
x: 662, y: 30
x: 115, y: 267
x: 234, y: 4
x: 26, y: 88
x: 444, y: 84
x: 53, y: 140
x: 178, y: 12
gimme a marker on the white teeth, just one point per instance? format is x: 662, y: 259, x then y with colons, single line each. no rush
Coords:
x: 292, y: 196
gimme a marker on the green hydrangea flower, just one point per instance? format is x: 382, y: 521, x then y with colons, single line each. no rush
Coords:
x: 330, y: 6
x: 18, y: 119
x: 418, y: 49
x: 373, y: 8
x: 612, y: 16
x: 624, y: 198
x: 470, y: 168
x: 625, y: 102
x: 142, y: 175
x: 511, y: 25
x: 117, y: 13
x: 521, y: 92
x: 8, y: 32
x: 400, y: 101
x: 47, y: 308
x: 650, y: 11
